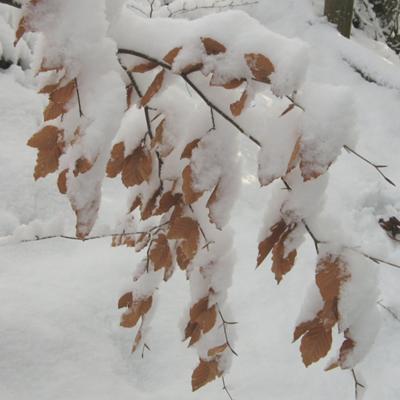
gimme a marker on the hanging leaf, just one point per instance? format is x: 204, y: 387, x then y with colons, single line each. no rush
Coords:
x: 138, y: 308
x: 160, y: 254
x: 265, y: 247
x: 62, y: 181
x: 64, y: 94
x: 153, y: 88
x: 217, y: 350
x: 46, y: 162
x: 53, y: 111
x: 282, y: 262
x: 238, y: 106
x: 205, y: 372
x: 82, y: 165
x: 315, y: 344
x: 144, y: 67
x: 188, y: 69
x: 46, y: 139
x: 190, y: 196
x: 188, y: 150
x: 116, y: 162
x: 137, y: 167
x: 171, y: 55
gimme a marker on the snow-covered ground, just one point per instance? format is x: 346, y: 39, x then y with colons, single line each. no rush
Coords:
x: 59, y: 326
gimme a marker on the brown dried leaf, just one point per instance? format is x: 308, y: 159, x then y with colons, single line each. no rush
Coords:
x: 303, y: 327
x: 167, y: 201
x: 116, y: 162
x: 62, y: 182
x: 46, y: 162
x: 46, y: 138
x: 153, y: 88
x: 217, y: 350
x: 330, y: 275
x: 82, y: 165
x: 53, y: 111
x: 205, y: 372
x: 188, y: 150
x: 260, y: 66
x: 20, y: 30
x: 137, y: 167
x: 265, y: 247
x: 183, y: 228
x: 144, y: 67
x: 126, y: 300
x: 213, y: 47
x: 147, y: 211
x: 49, y: 88
x: 210, y: 203
x: 138, y: 339
x: 237, y: 107
x: 63, y: 94
x: 282, y: 263
x: 294, y: 158
x: 138, y: 308
x: 315, y: 344
x: 191, y: 68
x: 171, y: 55
x: 190, y: 196
x: 160, y: 254
x: 206, y: 320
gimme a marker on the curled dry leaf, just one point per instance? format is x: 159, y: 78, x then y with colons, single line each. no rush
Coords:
x: 238, y: 106
x: 153, y: 88
x: 46, y: 162
x: 205, y: 372
x: 20, y: 30
x: 265, y: 247
x: 167, y: 200
x: 260, y: 66
x: 231, y: 84
x: 212, y: 200
x: 126, y: 300
x: 290, y: 107
x: 294, y: 158
x: 62, y: 181
x: 212, y: 47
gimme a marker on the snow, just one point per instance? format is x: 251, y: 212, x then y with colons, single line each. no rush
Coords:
x: 60, y: 336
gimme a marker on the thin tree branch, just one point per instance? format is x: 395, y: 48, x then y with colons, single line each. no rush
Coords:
x: 317, y: 242
x: 195, y: 88
x: 389, y: 310
x: 224, y: 324
x: 376, y: 166
x: 224, y: 388
x: 145, y: 347
x: 79, y: 98
x: 357, y: 384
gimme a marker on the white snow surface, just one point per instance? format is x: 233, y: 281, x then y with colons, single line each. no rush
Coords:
x: 59, y: 326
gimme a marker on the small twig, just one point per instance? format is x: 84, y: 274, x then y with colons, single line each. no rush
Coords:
x: 196, y: 89
x: 213, y: 126
x: 376, y: 166
x: 151, y: 8
x: 79, y: 98
x: 136, y: 8
x: 357, y: 383
x: 224, y: 387
x: 224, y: 323
x: 145, y: 347
x: 389, y: 310
x: 317, y: 242
x: 376, y: 260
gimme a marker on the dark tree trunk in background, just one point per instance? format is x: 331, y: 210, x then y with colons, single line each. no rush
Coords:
x: 340, y: 13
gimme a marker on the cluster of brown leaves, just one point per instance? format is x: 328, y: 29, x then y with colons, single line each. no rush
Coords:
x: 331, y: 274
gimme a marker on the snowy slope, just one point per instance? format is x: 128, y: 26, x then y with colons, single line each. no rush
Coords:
x: 59, y: 327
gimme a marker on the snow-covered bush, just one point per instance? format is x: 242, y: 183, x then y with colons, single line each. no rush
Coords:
x: 160, y: 102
